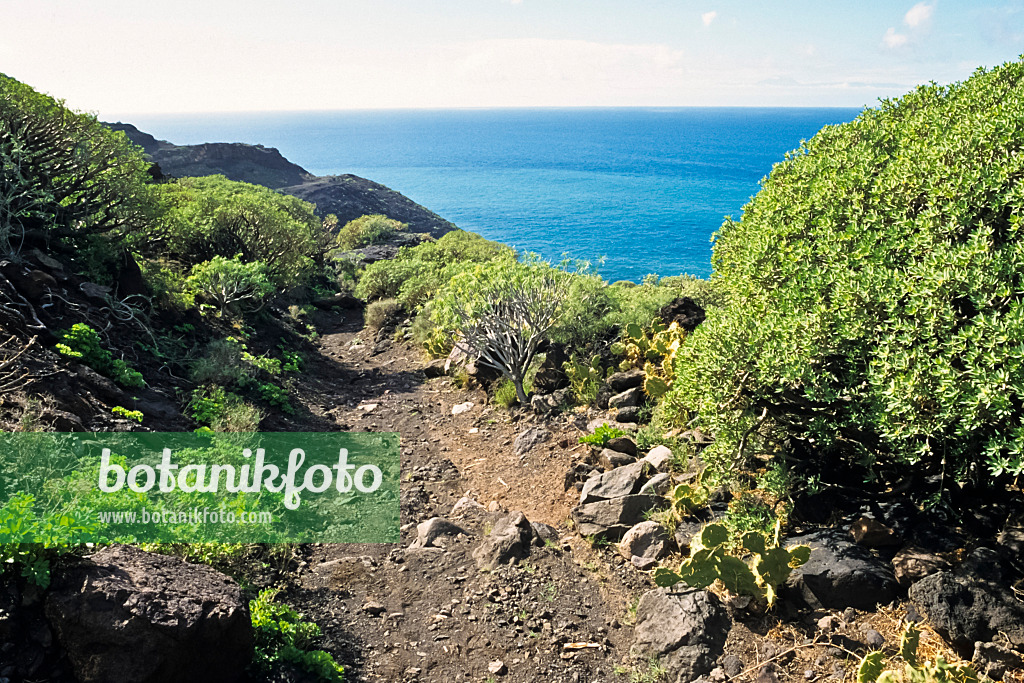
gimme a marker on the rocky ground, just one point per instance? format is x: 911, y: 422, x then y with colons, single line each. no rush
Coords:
x: 493, y: 581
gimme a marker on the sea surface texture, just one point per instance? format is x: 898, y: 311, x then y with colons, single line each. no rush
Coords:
x: 644, y: 189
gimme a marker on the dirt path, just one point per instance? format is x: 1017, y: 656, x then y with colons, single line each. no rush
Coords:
x: 395, y: 613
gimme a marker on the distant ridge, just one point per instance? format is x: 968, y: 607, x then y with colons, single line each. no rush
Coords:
x: 346, y: 196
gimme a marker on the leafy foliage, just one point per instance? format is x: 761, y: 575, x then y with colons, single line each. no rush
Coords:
x: 874, y: 300
x: 366, y: 230
x: 602, y: 435
x: 282, y: 635
x: 205, y: 218
x: 83, y: 343
x: 654, y: 350
x: 28, y: 541
x: 768, y: 569
x: 873, y: 666
x: 231, y: 284
x: 63, y: 174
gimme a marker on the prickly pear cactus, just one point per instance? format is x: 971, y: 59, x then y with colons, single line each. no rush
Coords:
x: 768, y: 568
x: 654, y: 350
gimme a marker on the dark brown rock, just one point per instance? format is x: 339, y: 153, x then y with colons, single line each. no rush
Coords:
x: 127, y: 616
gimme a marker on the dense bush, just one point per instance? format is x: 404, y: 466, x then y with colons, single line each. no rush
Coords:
x: 203, y: 218
x: 875, y: 306
x: 230, y: 284
x: 417, y: 273
x: 366, y: 230
x: 63, y: 174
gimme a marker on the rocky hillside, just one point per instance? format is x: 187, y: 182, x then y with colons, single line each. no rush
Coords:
x: 346, y: 196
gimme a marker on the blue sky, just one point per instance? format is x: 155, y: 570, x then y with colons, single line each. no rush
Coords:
x: 119, y: 57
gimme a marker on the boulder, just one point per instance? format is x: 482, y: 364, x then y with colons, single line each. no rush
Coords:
x: 647, y: 540
x: 684, y: 311
x: 609, y: 459
x: 627, y: 399
x: 658, y: 485
x: 622, y: 381
x: 530, y: 439
x: 508, y: 541
x: 125, y: 616
x: 628, y: 415
x: 613, y: 518
x: 429, y: 531
x: 622, y: 444
x: 913, y: 564
x: 966, y: 609
x: 434, y: 368
x: 544, y: 533
x: 841, y: 574
x: 686, y: 630
x: 660, y: 457
x: 621, y: 481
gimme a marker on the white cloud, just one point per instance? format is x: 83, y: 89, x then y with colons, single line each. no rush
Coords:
x: 918, y: 15
x: 708, y: 17
x: 893, y: 39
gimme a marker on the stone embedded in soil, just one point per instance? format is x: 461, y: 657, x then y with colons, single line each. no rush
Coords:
x: 544, y: 533
x: 613, y: 518
x: 660, y: 457
x: 647, y: 540
x: 629, y: 415
x: 621, y: 381
x: 497, y: 668
x: 429, y: 531
x: 508, y: 541
x: 127, y: 615
x: 994, y: 660
x: 462, y: 408
x: 967, y: 609
x: 530, y: 439
x: 435, y: 368
x: 622, y: 444
x: 913, y: 564
x: 658, y: 485
x: 686, y: 630
x: 630, y: 398
x: 616, y: 483
x: 840, y: 574
x: 373, y: 608
x: 608, y: 459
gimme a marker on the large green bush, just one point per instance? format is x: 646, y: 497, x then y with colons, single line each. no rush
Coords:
x: 875, y: 293
x: 203, y: 218
x: 64, y: 175
x: 368, y: 229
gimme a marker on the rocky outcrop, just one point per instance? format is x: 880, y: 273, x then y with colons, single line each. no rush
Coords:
x: 841, y: 574
x: 346, y: 196
x: 686, y: 630
x: 127, y: 616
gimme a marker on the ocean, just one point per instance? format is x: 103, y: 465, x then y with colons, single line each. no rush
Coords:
x: 641, y: 188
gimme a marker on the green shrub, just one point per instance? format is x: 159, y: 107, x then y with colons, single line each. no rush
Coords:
x: 367, y: 230
x: 205, y: 218
x: 64, y: 175
x: 29, y: 542
x: 83, y: 343
x: 505, y: 394
x: 873, y: 294
x: 221, y: 363
x: 223, y: 411
x: 283, y: 636
x: 379, y: 313
x: 232, y: 285
x: 602, y: 435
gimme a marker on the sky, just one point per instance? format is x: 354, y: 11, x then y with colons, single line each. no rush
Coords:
x: 119, y: 57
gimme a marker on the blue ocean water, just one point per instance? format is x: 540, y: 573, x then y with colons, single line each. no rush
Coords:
x: 644, y: 188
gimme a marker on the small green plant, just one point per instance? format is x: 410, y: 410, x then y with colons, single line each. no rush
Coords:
x: 505, y: 394
x: 275, y: 396
x: 873, y: 666
x: 130, y: 414
x: 231, y: 285
x: 82, y: 343
x: 602, y: 435
x: 585, y: 378
x: 282, y: 635
x: 649, y: 672
x: 29, y: 542
x: 654, y: 350
x: 709, y: 561
x: 687, y: 498
x: 749, y: 512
